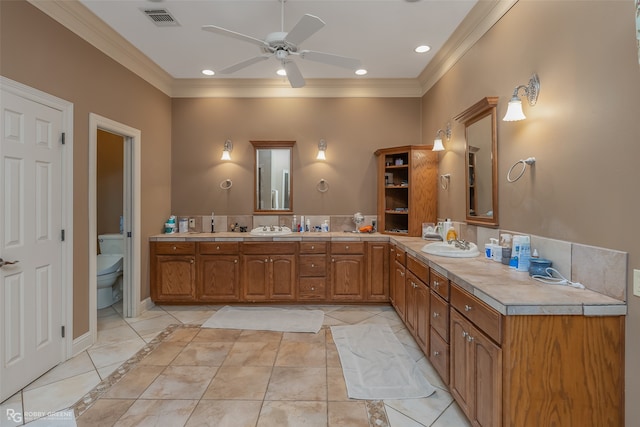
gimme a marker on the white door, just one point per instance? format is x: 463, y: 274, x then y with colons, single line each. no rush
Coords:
x: 31, y: 233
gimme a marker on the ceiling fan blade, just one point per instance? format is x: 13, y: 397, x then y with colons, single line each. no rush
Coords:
x: 305, y: 28
x: 293, y: 74
x: 238, y: 36
x: 243, y: 64
x: 328, y: 58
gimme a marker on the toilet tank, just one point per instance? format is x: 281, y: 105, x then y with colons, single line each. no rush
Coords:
x: 111, y: 243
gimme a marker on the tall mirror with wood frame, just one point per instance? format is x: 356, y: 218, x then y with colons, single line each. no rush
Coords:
x: 481, y: 159
x: 273, y: 177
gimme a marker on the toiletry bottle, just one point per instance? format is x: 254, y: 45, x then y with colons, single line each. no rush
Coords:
x: 524, y: 257
x: 325, y: 226
x: 294, y: 224
x: 505, y: 242
x: 496, y: 250
x: 488, y: 250
x: 213, y: 223
x: 307, y: 225
x: 301, y: 225
x: 515, y: 252
x: 452, y: 234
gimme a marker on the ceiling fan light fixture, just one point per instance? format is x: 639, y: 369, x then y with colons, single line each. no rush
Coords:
x: 361, y: 72
x: 281, y: 72
x: 208, y: 72
x: 422, y: 49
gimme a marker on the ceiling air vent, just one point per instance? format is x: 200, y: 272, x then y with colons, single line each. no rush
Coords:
x: 161, y: 17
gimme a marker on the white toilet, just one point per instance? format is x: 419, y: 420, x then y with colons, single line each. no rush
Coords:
x: 109, y: 267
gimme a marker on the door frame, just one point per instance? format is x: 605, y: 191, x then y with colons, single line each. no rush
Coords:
x: 132, y: 305
x: 66, y: 270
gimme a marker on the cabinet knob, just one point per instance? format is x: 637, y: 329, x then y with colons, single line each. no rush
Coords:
x: 174, y: 248
x: 464, y: 334
x: 436, y: 353
x: 217, y: 248
x: 313, y: 289
x: 235, y: 261
x: 347, y: 247
x: 436, y: 284
x: 266, y: 260
x: 333, y: 260
x: 435, y: 314
x: 313, y: 265
x: 270, y: 259
x: 402, y: 273
x: 467, y: 307
x: 469, y: 338
x: 312, y: 247
x: 398, y: 254
x: 191, y: 261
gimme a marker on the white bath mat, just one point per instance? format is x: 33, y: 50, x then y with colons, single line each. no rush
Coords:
x: 376, y: 365
x: 266, y: 319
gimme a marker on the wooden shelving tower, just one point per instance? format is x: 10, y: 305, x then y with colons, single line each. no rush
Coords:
x: 407, y: 189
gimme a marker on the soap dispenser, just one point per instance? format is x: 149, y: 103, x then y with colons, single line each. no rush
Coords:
x: 452, y: 234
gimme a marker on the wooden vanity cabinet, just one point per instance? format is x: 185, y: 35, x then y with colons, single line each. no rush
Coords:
x: 218, y: 278
x: 173, y: 271
x: 439, y: 324
x: 312, y: 271
x: 269, y: 271
x: 476, y: 359
x: 347, y: 271
x: 417, y: 301
x: 397, y: 281
x: 377, y: 283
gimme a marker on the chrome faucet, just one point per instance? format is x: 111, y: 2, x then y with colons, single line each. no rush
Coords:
x: 460, y: 244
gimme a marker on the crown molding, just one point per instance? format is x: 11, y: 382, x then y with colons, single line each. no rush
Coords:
x: 80, y: 20
x: 484, y: 15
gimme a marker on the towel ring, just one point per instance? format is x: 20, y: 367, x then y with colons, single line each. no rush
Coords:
x: 226, y: 184
x: 323, y: 186
x: 530, y: 161
x: 444, y: 181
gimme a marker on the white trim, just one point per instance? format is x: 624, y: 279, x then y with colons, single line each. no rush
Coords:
x: 132, y: 268
x: 81, y: 343
x: 66, y: 287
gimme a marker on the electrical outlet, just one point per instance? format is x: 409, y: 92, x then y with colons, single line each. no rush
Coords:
x: 636, y: 283
x: 192, y: 223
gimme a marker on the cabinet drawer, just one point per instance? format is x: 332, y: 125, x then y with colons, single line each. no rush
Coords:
x: 170, y: 248
x: 312, y: 288
x: 483, y: 316
x: 420, y: 270
x: 269, y: 248
x: 439, y: 316
x: 440, y: 284
x: 400, y: 255
x: 347, y: 247
x: 439, y: 355
x: 218, y: 248
x: 313, y: 265
x: 313, y: 247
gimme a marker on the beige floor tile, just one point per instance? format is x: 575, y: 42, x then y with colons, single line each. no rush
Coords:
x: 154, y: 324
x: 293, y: 414
x: 320, y: 337
x: 252, y: 354
x: 350, y: 316
x: 155, y: 413
x: 11, y: 411
x: 352, y: 414
x: 225, y: 413
x: 302, y: 354
x: 135, y: 382
x: 115, y: 334
x: 164, y: 353
x: 452, y: 416
x: 72, y: 367
x: 239, y: 383
x: 336, y: 386
x: 182, y: 335
x: 105, y: 371
x: 115, y: 352
x: 260, y: 336
x: 105, y: 412
x: 217, y: 335
x: 184, y: 382
x: 190, y: 314
x: 425, y: 410
x: 203, y: 354
x: 297, y: 384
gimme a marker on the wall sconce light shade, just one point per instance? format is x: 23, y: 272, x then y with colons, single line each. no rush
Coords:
x: 437, y: 143
x: 228, y: 147
x: 514, y: 109
x: 322, y: 147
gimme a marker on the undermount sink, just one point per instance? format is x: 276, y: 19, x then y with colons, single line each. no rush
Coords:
x: 271, y: 231
x: 450, y: 250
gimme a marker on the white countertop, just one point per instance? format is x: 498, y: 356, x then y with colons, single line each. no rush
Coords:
x: 508, y: 291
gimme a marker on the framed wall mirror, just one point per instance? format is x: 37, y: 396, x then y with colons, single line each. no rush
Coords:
x: 481, y: 157
x: 273, y: 178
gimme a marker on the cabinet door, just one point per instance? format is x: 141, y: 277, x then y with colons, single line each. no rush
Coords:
x: 218, y: 278
x: 422, y: 316
x: 347, y: 277
x: 283, y: 277
x: 486, y: 380
x: 461, y: 377
x: 255, y: 277
x: 398, y: 291
x: 175, y: 278
x: 377, y: 284
x: 410, y: 286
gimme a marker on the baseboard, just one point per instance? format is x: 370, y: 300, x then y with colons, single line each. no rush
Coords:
x: 81, y: 343
x: 145, y: 305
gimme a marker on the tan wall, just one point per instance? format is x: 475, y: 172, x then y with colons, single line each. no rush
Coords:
x: 584, y: 132
x: 353, y: 128
x: 109, y: 181
x: 39, y: 52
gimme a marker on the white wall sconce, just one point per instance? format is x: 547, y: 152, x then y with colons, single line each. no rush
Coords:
x: 226, y: 152
x: 514, y: 109
x: 437, y: 143
x: 322, y: 147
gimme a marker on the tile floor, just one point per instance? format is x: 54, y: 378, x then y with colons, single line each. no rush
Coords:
x: 226, y: 377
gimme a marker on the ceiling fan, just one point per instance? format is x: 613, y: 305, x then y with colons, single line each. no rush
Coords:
x: 283, y: 46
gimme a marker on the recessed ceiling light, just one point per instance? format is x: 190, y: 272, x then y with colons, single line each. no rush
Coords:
x: 281, y: 72
x: 361, y: 72
x: 423, y: 49
x: 208, y: 72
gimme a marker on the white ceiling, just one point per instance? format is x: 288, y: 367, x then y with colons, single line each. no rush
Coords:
x: 382, y: 34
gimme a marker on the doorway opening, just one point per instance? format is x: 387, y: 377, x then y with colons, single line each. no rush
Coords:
x: 124, y: 203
